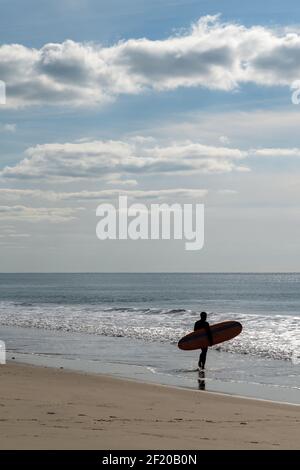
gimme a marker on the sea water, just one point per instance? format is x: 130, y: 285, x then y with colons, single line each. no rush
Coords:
x: 129, y: 324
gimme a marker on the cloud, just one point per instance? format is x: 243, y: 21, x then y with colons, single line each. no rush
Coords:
x: 119, y: 182
x: 37, y: 214
x: 277, y: 152
x: 9, y: 194
x: 120, y: 163
x: 105, y: 159
x: 224, y: 140
x: 160, y: 194
x: 15, y: 235
x: 26, y: 213
x: 210, y: 54
x: 8, y: 128
x: 269, y: 127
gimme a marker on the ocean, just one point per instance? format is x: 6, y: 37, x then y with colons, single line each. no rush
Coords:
x: 128, y: 325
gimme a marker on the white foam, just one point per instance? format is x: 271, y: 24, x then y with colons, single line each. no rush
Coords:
x: 272, y: 336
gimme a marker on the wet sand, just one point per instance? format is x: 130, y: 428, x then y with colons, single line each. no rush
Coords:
x: 47, y: 408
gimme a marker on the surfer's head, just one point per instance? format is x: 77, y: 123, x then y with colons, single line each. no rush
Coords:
x: 203, y: 315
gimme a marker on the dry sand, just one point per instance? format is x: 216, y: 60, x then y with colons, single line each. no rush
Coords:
x: 44, y: 408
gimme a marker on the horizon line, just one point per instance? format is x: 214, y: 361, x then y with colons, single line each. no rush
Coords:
x: 150, y: 272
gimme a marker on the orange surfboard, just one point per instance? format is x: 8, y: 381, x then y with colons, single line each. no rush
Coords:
x: 220, y: 332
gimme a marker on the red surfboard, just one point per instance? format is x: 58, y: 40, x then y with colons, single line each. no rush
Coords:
x: 220, y: 332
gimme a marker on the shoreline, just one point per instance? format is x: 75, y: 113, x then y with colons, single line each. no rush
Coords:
x: 48, y: 408
x: 145, y: 382
x: 154, y: 362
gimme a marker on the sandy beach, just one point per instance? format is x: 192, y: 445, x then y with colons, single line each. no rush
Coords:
x: 45, y: 408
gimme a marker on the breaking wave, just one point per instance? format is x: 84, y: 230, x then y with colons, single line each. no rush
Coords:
x: 271, y: 336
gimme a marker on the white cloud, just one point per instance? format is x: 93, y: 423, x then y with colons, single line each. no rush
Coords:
x: 211, y: 54
x: 120, y: 163
x: 15, y: 235
x: 119, y: 182
x: 224, y: 140
x: 37, y: 214
x: 277, y: 152
x: 101, y: 159
x: 8, y: 128
x: 11, y: 194
x: 160, y: 194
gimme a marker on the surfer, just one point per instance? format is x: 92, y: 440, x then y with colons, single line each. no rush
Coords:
x: 202, y: 323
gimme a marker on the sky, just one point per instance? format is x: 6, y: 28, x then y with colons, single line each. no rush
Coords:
x: 176, y: 101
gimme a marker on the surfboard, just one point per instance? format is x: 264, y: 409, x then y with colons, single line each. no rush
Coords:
x: 221, y: 332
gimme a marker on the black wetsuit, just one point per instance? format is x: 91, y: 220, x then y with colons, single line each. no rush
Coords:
x: 198, y: 325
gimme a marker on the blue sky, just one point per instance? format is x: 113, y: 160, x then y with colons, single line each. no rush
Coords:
x: 36, y: 22
x: 109, y: 83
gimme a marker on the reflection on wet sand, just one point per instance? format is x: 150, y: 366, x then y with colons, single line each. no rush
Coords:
x: 201, y: 380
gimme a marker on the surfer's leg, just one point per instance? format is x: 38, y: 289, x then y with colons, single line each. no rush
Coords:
x: 202, y: 359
